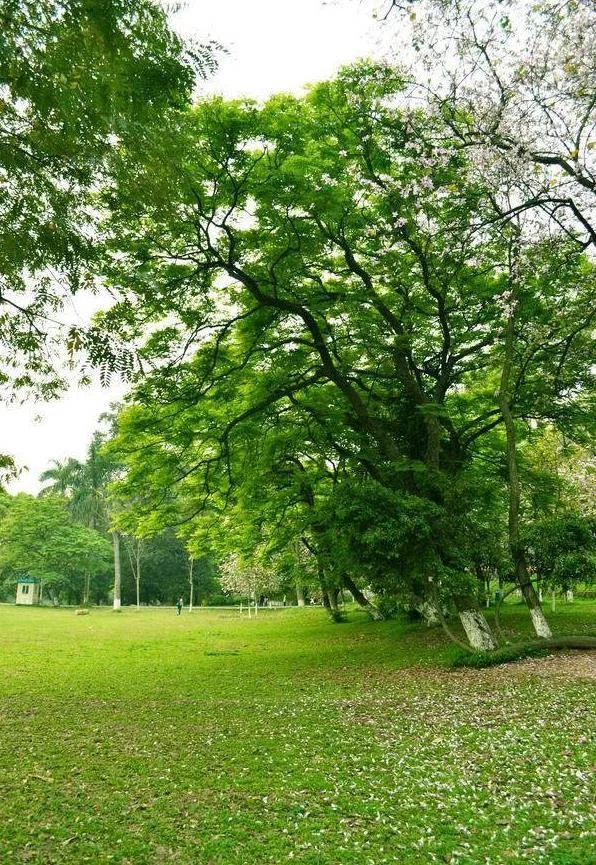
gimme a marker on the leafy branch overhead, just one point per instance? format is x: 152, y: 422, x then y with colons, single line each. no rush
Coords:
x: 79, y: 81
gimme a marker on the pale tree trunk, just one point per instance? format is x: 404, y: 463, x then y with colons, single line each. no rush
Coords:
x: 138, y: 574
x: 191, y: 585
x: 484, y: 581
x: 473, y: 620
x: 477, y: 629
x: 117, y: 571
x: 518, y: 553
x: 430, y: 613
x: 87, y: 589
x: 135, y: 565
x: 361, y: 599
x: 300, y: 596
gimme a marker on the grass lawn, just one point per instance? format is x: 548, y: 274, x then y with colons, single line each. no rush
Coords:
x: 208, y: 738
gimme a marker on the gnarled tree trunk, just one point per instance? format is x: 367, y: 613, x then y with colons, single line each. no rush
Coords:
x: 429, y: 612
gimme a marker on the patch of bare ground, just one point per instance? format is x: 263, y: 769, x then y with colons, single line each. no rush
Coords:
x: 560, y: 665
x: 569, y: 665
x: 566, y: 665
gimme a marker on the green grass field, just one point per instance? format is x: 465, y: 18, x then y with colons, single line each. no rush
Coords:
x: 209, y: 738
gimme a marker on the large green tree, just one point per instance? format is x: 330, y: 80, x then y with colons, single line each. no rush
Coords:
x: 336, y: 258
x: 344, y: 292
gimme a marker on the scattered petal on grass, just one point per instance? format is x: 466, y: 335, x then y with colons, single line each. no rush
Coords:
x: 154, y: 739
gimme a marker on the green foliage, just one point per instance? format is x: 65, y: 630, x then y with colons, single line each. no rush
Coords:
x: 563, y: 549
x: 388, y: 536
x: 332, y: 302
x: 84, y: 84
x: 38, y: 537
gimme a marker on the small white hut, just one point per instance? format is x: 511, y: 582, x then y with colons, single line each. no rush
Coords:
x: 28, y: 590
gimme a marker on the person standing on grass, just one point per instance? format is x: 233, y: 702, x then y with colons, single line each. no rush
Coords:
x: 179, y: 605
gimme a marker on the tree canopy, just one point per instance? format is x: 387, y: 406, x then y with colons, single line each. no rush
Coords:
x: 333, y: 284
x: 79, y: 81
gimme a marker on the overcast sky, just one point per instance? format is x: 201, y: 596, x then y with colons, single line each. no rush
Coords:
x: 273, y: 45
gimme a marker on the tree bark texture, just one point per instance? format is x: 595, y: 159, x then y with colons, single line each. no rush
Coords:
x: 477, y: 629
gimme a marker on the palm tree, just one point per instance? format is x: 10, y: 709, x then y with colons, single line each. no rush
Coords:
x: 85, y: 485
x: 65, y: 478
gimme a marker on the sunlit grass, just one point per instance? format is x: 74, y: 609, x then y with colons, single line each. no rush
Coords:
x: 209, y: 738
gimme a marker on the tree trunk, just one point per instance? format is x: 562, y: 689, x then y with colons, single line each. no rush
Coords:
x: 134, y: 558
x: 300, y: 596
x: 518, y: 554
x: 329, y: 599
x: 430, y: 613
x: 478, y: 632
x: 191, y: 585
x: 117, y: 571
x: 361, y: 599
x: 138, y: 574
x: 333, y: 593
x: 483, y: 577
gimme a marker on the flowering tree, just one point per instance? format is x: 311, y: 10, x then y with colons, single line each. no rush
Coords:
x: 515, y: 81
x: 248, y: 580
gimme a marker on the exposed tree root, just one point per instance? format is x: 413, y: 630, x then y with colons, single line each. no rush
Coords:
x: 570, y: 642
x: 517, y: 651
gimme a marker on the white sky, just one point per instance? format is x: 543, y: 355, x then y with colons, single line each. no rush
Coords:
x: 274, y: 45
